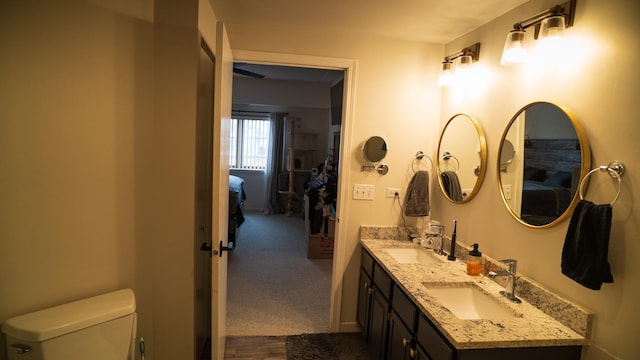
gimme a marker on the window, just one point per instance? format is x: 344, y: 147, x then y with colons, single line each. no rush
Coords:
x: 249, y: 145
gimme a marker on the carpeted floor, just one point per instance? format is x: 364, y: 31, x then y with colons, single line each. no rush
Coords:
x: 273, y: 289
x: 336, y: 346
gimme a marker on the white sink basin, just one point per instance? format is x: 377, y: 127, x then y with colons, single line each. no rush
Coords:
x: 410, y: 255
x: 467, y: 301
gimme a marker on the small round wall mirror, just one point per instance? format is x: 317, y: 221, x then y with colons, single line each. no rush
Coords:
x: 506, y: 154
x: 374, y: 149
x: 462, y: 158
x: 549, y: 156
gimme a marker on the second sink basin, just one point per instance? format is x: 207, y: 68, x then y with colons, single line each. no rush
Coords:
x: 410, y: 255
x: 467, y: 301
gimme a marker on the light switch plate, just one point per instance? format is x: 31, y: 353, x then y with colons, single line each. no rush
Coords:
x: 363, y: 191
x: 506, y: 190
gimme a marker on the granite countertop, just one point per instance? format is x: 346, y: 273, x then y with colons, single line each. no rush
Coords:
x: 529, y: 327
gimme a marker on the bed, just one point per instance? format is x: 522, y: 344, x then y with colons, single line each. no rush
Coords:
x: 544, y: 199
x: 237, y: 198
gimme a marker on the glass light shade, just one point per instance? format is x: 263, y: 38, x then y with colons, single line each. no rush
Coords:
x: 463, y: 68
x: 446, y: 74
x: 515, y: 48
x: 465, y: 61
x: 552, y: 27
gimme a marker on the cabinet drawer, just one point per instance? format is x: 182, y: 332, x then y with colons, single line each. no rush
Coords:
x: 404, y: 307
x: 366, y: 262
x: 382, y: 281
x: 432, y: 342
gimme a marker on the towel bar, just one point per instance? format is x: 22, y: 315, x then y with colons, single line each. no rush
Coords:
x: 446, y: 156
x: 419, y: 156
x: 615, y: 170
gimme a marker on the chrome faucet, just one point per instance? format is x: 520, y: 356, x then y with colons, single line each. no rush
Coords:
x: 439, y: 233
x: 510, y: 288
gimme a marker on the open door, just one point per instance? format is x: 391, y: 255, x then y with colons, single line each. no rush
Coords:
x: 203, y: 200
x: 220, y: 216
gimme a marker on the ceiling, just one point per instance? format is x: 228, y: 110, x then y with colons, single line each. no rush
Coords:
x: 431, y: 21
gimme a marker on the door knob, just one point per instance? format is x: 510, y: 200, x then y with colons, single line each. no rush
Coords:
x: 229, y: 247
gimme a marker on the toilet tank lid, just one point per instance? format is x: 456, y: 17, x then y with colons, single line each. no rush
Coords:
x: 63, y: 319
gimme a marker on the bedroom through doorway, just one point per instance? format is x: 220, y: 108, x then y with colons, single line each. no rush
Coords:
x: 277, y: 283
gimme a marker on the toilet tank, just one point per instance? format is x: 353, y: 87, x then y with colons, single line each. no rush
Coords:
x: 98, y: 328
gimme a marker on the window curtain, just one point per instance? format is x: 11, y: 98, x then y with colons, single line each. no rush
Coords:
x: 275, y: 164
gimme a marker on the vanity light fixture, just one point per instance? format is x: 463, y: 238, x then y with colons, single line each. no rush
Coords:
x: 462, y: 61
x: 549, y: 24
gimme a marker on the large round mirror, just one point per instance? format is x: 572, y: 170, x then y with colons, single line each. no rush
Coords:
x: 550, y: 154
x: 374, y: 149
x: 462, y: 158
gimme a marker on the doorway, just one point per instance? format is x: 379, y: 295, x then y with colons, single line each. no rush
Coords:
x: 333, y: 144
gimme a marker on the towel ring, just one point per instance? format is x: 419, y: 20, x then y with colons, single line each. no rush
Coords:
x: 419, y: 156
x: 615, y: 169
x: 446, y: 156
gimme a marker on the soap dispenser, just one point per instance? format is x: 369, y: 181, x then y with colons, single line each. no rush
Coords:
x: 474, y: 262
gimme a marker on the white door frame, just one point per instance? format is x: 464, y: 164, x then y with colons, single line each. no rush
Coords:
x: 349, y: 67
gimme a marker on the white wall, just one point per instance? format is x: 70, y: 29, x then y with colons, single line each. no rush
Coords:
x: 307, y: 101
x: 595, y: 78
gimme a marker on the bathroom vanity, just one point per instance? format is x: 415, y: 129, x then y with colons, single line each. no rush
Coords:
x: 415, y: 304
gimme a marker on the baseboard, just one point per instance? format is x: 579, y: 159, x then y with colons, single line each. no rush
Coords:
x: 349, y: 327
x: 595, y: 352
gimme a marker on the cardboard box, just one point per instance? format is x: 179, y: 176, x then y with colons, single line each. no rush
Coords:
x: 320, y: 246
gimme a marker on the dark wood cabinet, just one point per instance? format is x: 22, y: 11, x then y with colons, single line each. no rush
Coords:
x: 420, y: 354
x: 401, y: 343
x: 373, y: 305
x: 395, y: 329
x: 365, y: 292
x: 432, y: 342
x: 378, y: 326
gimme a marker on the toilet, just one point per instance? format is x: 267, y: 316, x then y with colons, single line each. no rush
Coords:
x: 99, y: 328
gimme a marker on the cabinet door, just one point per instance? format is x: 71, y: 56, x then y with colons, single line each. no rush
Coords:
x: 400, y: 339
x: 434, y: 344
x: 365, y: 290
x: 420, y: 354
x: 378, y: 326
x: 366, y: 262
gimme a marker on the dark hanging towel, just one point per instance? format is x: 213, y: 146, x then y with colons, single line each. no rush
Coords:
x: 586, y: 246
x: 416, y: 202
x: 452, y: 185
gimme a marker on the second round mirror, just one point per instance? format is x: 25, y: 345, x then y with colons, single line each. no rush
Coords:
x: 462, y: 158
x: 549, y: 155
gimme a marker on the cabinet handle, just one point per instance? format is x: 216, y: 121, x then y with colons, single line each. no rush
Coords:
x: 404, y: 342
x: 412, y: 353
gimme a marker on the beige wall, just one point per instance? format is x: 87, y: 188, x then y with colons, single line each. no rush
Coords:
x: 75, y: 97
x: 96, y: 153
